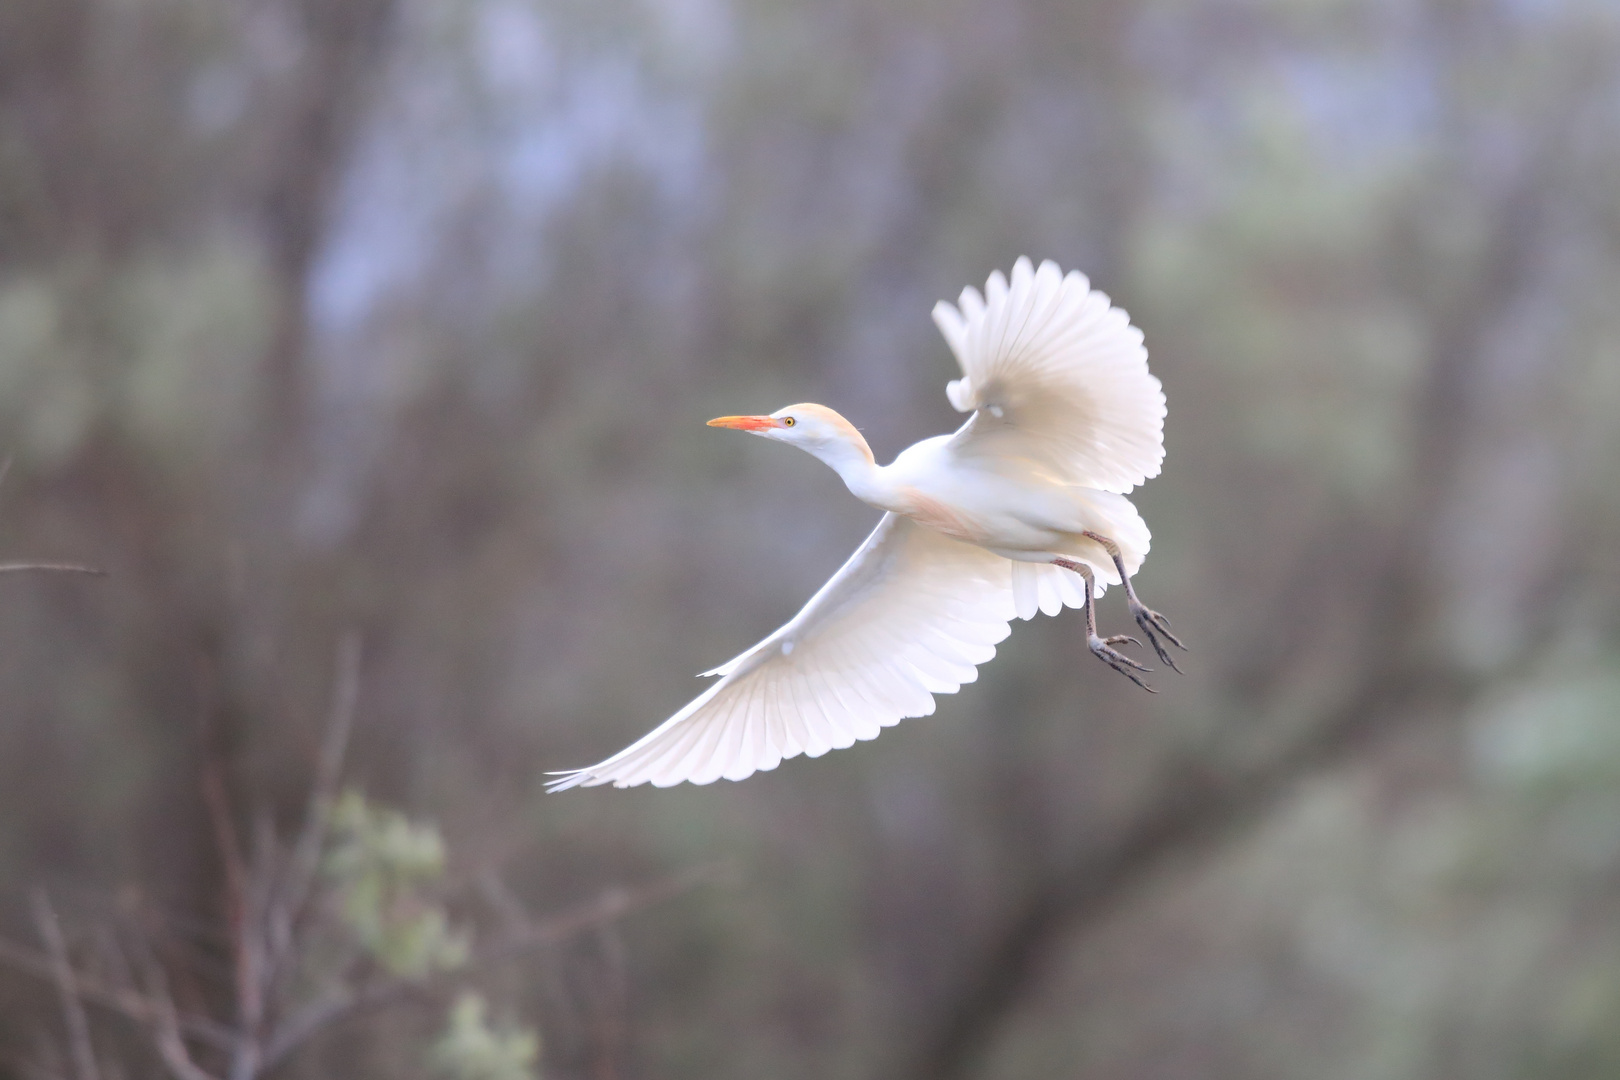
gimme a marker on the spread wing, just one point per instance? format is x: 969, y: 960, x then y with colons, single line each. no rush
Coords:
x: 1056, y: 379
x: 911, y: 614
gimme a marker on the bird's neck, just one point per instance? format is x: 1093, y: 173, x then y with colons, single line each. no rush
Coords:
x: 852, y: 460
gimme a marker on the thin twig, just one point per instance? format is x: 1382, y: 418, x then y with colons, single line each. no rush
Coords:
x: 25, y: 567
x: 499, y: 896
x: 255, y: 974
x: 238, y: 917
x: 242, y: 912
x: 166, y: 1034
x: 288, y: 904
x: 28, y: 1068
x: 613, y: 905
x: 114, y: 960
x: 130, y: 1003
x: 610, y: 907
x: 80, y: 1049
x: 328, y: 772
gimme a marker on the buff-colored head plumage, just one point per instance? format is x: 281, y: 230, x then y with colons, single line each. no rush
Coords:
x: 809, y: 426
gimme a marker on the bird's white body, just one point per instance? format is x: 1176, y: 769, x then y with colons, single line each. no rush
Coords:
x: 1014, y: 513
x: 1016, y: 516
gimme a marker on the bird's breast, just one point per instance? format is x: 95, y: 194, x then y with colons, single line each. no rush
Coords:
x: 941, y: 516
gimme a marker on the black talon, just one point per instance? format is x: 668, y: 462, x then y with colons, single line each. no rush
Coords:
x: 1152, y: 623
x: 1117, y: 660
x: 1150, y: 620
x: 1102, y: 648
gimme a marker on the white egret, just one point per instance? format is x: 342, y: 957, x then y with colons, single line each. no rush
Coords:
x: 1022, y: 510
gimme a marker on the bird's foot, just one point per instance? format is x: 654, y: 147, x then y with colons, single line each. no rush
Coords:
x: 1153, y: 624
x: 1102, y: 649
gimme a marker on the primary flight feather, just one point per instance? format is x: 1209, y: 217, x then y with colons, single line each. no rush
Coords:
x: 1022, y: 510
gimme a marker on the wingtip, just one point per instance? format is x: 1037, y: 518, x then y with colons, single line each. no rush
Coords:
x: 567, y: 778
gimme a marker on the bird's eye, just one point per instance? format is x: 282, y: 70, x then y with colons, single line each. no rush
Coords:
x: 788, y: 421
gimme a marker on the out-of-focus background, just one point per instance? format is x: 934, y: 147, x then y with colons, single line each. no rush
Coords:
x: 403, y: 317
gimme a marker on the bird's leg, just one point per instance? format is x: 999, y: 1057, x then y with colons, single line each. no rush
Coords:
x: 1102, y: 648
x: 1151, y: 622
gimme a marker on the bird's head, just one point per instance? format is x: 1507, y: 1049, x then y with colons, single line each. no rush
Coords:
x: 814, y: 428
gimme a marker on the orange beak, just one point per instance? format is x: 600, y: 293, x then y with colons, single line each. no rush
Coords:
x: 746, y: 423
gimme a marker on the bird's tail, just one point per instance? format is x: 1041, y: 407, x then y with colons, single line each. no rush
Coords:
x: 1042, y: 587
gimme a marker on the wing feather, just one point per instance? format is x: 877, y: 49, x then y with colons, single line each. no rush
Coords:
x: 847, y: 684
x: 751, y: 745
x: 843, y: 709
x: 1056, y: 378
x: 791, y: 703
x: 911, y: 614
x: 780, y: 728
x: 809, y: 714
x: 817, y: 734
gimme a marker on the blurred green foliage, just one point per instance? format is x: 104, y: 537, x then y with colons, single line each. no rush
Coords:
x: 470, y: 1049
x: 383, y: 868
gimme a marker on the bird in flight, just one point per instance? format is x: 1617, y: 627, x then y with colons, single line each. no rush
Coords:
x: 1023, y: 509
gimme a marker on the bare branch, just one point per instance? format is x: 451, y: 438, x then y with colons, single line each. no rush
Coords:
x: 28, y: 1068
x: 246, y: 893
x: 255, y: 976
x: 306, y: 857
x: 1196, y: 810
x: 166, y: 1034
x: 129, y: 1003
x: 45, y: 567
x: 308, y: 1022
x: 287, y: 903
x: 244, y: 953
x: 612, y: 906
x: 81, y: 1050
x: 499, y: 896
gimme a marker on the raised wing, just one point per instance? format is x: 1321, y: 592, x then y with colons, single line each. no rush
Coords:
x: 1057, y: 380
x: 910, y: 615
